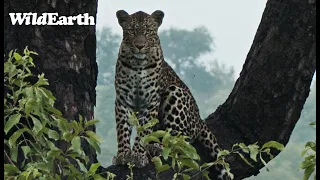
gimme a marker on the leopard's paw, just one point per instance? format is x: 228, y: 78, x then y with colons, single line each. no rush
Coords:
x: 139, y: 160
x: 154, y: 149
x: 122, y: 158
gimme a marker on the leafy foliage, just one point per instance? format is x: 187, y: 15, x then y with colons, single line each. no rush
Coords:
x: 33, y: 125
x: 184, y: 157
x: 309, y: 154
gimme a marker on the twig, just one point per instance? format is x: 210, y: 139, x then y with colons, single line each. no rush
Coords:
x: 8, y: 157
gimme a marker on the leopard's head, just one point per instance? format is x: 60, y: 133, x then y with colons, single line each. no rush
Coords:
x: 140, y: 31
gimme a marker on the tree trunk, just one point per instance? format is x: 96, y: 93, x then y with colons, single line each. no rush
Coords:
x: 268, y: 97
x: 67, y: 55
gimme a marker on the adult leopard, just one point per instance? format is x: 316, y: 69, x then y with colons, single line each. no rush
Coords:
x: 146, y: 84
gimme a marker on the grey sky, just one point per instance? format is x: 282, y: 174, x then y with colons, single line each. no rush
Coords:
x: 232, y: 23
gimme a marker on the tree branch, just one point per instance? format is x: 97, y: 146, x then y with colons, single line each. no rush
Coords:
x: 268, y: 97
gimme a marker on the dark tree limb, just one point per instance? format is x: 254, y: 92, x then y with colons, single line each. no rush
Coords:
x: 268, y: 97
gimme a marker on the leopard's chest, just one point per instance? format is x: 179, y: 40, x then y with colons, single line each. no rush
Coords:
x: 138, y: 89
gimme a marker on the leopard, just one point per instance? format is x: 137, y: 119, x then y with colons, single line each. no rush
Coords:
x: 145, y: 83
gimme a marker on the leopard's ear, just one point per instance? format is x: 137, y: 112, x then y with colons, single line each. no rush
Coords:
x: 158, y: 16
x: 122, y: 16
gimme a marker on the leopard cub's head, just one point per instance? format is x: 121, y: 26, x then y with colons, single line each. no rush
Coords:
x: 140, y: 31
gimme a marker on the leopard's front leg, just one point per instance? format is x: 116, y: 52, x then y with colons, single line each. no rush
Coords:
x: 139, y: 151
x: 123, y: 128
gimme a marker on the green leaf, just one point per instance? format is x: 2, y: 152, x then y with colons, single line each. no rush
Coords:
x: 151, y: 123
x: 163, y: 168
x: 93, y: 135
x: 165, y: 152
x: 10, y: 53
x: 17, y: 56
x: 26, y: 51
x: 157, y: 162
x: 223, y: 153
x: 75, y: 126
x: 37, y: 126
x: 13, y: 120
x: 243, y: 147
x: 158, y: 133
x: 10, y: 169
x: 90, y: 123
x: 41, y: 81
x: 98, y: 177
x: 165, y: 139
x: 206, y: 174
x: 227, y: 167
x: 307, y: 172
x: 63, y: 125
x: 190, y: 163
x: 54, y: 111
x: 312, y: 123
x: 150, y: 138
x: 186, y: 177
x: 42, y: 166
x: 273, y: 144
x: 244, y: 159
x: 15, y: 136
x: 32, y: 52
x: 47, y: 93
x: 306, y: 164
x: 26, y: 150
x: 75, y: 143
x: 14, y: 154
x: 94, y: 144
x: 30, y: 105
x: 82, y: 166
x: 55, y: 153
x: 254, y: 150
x: 207, y: 165
x: 94, y: 167
x: 311, y: 144
x: 53, y: 134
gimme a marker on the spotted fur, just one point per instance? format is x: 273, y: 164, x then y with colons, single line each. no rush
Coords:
x: 146, y: 84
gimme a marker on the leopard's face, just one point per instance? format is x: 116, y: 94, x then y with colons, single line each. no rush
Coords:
x: 140, y: 32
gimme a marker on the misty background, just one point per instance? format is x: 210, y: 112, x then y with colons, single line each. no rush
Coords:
x: 206, y: 43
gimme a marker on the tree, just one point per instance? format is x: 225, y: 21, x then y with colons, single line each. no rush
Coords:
x: 67, y: 55
x: 267, y: 99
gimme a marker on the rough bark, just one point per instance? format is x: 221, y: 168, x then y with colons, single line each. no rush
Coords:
x: 66, y: 55
x: 268, y: 97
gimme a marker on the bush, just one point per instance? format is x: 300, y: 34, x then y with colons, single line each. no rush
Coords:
x: 32, y: 125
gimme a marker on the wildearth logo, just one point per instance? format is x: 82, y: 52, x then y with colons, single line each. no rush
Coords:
x: 50, y: 19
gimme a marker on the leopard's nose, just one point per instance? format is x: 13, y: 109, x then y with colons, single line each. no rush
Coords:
x: 140, y: 42
x: 140, y: 46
